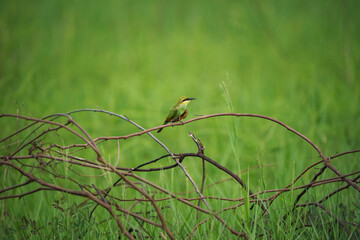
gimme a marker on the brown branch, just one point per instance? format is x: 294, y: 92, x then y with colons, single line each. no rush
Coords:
x: 15, y: 186
x: 196, y: 226
x: 182, y: 200
x: 338, y: 190
x: 330, y: 214
x: 25, y: 194
x: 73, y: 192
x: 152, y: 136
x: 90, y: 142
x: 222, y: 168
x: 201, y: 149
x: 45, y: 160
x: 161, y: 217
x: 325, y: 160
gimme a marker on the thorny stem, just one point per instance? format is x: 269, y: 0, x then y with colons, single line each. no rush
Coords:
x: 44, y: 157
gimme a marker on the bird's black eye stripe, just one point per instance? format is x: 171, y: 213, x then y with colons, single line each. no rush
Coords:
x: 187, y: 99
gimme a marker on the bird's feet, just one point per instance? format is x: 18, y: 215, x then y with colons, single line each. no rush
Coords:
x: 172, y: 123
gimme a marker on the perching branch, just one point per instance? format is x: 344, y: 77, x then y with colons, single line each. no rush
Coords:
x: 43, y: 162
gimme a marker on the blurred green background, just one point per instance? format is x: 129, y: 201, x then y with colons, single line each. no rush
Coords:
x: 296, y: 61
x: 293, y: 60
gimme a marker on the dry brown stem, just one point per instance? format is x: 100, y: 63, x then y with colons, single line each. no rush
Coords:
x: 42, y: 162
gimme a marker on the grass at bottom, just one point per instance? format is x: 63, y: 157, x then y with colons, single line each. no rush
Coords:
x: 72, y: 221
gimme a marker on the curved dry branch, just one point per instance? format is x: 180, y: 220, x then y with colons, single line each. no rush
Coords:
x: 50, y: 159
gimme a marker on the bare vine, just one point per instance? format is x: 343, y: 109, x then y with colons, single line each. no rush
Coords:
x: 44, y: 158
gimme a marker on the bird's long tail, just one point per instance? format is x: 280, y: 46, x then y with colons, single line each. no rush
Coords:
x: 162, y: 128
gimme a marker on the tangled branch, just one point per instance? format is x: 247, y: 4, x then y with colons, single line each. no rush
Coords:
x: 41, y: 161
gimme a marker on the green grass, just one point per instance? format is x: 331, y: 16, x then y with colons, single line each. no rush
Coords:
x: 295, y: 61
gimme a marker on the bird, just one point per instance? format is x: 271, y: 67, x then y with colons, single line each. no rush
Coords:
x: 178, y: 112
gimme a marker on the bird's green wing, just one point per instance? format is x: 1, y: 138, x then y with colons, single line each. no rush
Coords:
x: 173, y: 115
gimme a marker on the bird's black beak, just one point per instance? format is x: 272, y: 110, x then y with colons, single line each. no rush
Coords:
x: 189, y: 99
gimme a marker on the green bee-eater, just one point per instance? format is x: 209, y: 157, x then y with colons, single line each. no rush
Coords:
x: 178, y: 112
